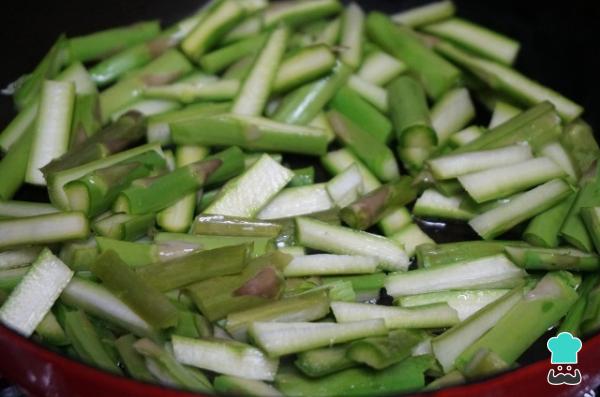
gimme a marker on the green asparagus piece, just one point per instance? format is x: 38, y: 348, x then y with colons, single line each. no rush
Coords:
x: 29, y: 86
x: 324, y: 361
x: 212, y: 27
x: 426, y: 14
x: 217, y: 297
x: 305, y: 307
x: 128, y: 129
x: 431, y: 255
x: 124, y: 226
x: 303, y: 104
x: 573, y: 229
x: 297, y: 13
x: 591, y: 218
x: 10, y: 278
x: 95, y: 192
x: 220, y: 225
x: 157, y: 193
x: 509, y: 82
x: 86, y: 341
x: 104, y: 43
x: 362, y: 113
x: 221, y: 58
x: 150, y: 304
x: 254, y: 133
x: 79, y: 254
x: 543, y: 306
x: 372, y: 207
x: 168, y: 67
x: 13, y: 165
x: 366, y: 286
x: 533, y: 258
x: 257, y: 86
x: 544, y: 229
x: 303, y: 177
x: 590, y: 321
x: 436, y: 74
x: 572, y: 321
x: 232, y: 385
x: 131, y: 359
x: 378, y: 157
x: 179, y: 216
x: 195, y: 267
x: 410, y: 113
x: 408, y: 375
x: 578, y: 139
x: 380, y: 352
x: 177, y: 373
x: 86, y: 118
x: 262, y: 245
x: 303, y: 66
x: 537, y: 126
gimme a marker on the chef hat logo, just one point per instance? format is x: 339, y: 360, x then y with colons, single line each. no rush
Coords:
x: 564, y: 348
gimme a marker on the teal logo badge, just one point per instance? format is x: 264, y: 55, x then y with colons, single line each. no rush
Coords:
x: 564, y: 348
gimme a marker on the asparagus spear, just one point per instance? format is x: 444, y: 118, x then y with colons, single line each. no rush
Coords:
x: 303, y: 104
x: 303, y: 66
x: 555, y: 288
x: 131, y: 359
x: 362, y: 113
x: 189, y: 269
x: 324, y: 361
x: 510, y: 82
x: 168, y: 67
x: 378, y: 157
x: 436, y: 315
x: 436, y: 74
x: 405, y: 376
x: 258, y: 284
x: 257, y: 87
x: 52, y: 128
x: 372, y: 207
x: 452, y: 113
x: 477, y: 39
x: 278, y: 339
x: 380, y: 68
x: 305, y: 307
x: 226, y: 357
x: 591, y: 218
x: 220, y: 225
x: 573, y: 230
x: 212, y: 27
x: 578, y: 139
x: 264, y: 178
x: 86, y: 341
x: 532, y: 258
x: 179, y: 216
x: 380, y: 352
x: 537, y: 126
x: 35, y: 294
x: 499, y: 220
x: 254, y: 133
x: 127, y: 227
x: 226, y: 384
x: 297, y: 13
x: 101, y: 44
x: 97, y: 300
x: 425, y: 14
x: 341, y: 240
x: 157, y: 193
x: 484, y: 271
x: 150, y: 304
x: 165, y: 364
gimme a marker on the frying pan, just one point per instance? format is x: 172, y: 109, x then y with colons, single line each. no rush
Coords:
x: 559, y: 49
